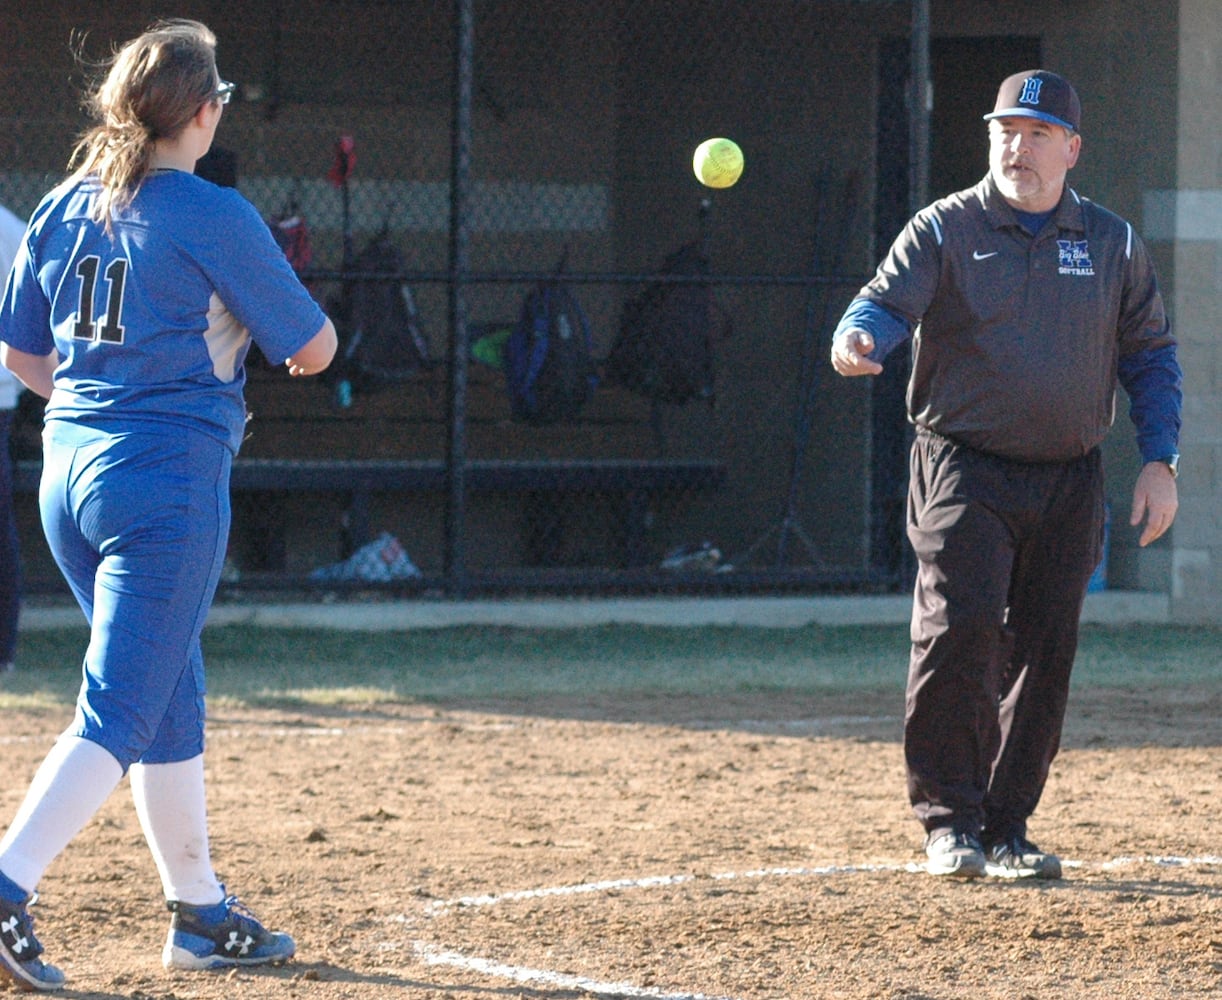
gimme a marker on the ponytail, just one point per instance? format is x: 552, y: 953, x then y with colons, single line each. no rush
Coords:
x: 155, y: 84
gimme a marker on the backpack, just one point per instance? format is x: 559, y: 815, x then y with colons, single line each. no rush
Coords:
x: 549, y: 366
x: 380, y: 336
x: 664, y: 349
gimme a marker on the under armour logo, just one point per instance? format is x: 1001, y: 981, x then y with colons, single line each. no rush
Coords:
x: 240, y: 945
x: 1031, y: 90
x: 9, y: 929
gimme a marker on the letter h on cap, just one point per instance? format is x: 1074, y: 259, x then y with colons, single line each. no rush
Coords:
x: 1031, y: 91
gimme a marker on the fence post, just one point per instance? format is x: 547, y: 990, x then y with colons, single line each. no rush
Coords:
x: 460, y: 179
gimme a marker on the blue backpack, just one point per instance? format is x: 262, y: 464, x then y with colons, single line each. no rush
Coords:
x: 549, y: 366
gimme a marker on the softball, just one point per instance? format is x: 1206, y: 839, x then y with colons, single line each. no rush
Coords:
x: 718, y: 163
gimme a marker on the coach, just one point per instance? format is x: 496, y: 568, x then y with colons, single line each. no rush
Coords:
x: 1026, y: 305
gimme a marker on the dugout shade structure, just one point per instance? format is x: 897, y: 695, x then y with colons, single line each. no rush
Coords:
x: 487, y: 140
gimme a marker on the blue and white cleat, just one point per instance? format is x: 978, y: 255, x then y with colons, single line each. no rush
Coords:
x: 221, y: 936
x: 20, y: 952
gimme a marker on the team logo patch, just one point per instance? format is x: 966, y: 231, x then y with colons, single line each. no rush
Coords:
x: 1074, y: 258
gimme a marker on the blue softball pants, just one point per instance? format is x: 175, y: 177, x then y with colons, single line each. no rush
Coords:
x: 138, y: 523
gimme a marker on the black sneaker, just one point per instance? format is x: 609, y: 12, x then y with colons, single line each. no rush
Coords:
x: 1017, y: 857
x: 956, y: 854
x: 201, y: 939
x: 20, y: 950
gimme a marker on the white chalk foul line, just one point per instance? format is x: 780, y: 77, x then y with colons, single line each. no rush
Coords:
x: 436, y: 955
x: 1201, y: 861
x: 609, y: 885
x: 439, y: 906
x: 521, y: 974
x: 653, y: 881
x: 433, y: 954
x: 649, y: 882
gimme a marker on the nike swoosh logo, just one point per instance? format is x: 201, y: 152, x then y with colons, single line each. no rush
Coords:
x: 977, y: 255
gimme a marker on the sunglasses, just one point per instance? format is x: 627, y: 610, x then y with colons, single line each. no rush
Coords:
x: 224, y: 91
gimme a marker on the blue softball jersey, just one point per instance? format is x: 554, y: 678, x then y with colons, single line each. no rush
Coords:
x: 152, y: 322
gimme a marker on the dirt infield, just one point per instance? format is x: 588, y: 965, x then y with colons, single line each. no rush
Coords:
x: 677, y: 848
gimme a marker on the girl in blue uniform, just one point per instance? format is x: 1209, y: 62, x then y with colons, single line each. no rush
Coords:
x: 133, y: 301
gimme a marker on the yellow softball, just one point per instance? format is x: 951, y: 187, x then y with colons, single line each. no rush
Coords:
x: 718, y: 163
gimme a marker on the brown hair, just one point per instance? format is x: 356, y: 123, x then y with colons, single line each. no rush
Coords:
x: 155, y: 85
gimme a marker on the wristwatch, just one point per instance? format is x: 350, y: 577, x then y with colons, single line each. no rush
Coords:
x: 1172, y: 462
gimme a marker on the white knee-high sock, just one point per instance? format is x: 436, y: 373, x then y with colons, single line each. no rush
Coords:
x: 173, y: 813
x: 71, y: 784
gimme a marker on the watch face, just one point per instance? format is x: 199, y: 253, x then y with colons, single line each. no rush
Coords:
x: 1173, y: 463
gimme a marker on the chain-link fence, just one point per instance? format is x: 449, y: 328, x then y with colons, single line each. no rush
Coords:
x: 480, y: 145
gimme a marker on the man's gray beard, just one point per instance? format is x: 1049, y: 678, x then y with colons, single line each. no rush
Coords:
x: 1009, y: 189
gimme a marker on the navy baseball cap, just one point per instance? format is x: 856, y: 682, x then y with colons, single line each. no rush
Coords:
x: 1038, y: 93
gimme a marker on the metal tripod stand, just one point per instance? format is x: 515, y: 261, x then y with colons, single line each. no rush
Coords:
x: 790, y: 524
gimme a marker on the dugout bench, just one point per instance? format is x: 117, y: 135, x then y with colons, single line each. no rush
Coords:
x: 636, y: 484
